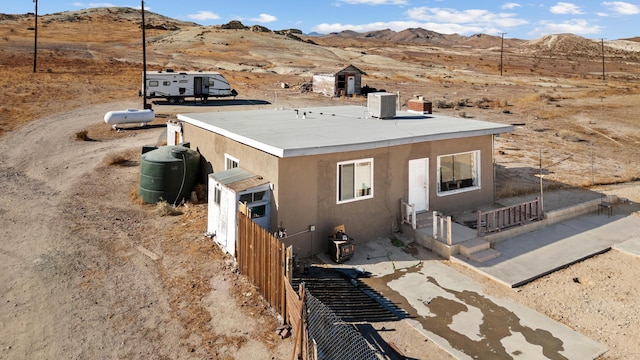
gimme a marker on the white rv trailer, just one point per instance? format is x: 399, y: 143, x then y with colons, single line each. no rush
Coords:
x: 176, y: 86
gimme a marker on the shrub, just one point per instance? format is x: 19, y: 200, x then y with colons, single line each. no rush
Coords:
x: 569, y: 136
x: 163, y: 208
x: 83, y: 135
x: 116, y: 158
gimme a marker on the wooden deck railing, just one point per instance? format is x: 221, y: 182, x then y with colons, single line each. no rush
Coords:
x: 506, y: 217
x: 442, y: 227
x: 408, y: 212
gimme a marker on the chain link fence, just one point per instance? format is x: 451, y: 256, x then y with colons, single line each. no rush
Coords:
x: 332, y: 338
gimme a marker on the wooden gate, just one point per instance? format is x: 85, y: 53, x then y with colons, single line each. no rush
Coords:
x: 263, y: 259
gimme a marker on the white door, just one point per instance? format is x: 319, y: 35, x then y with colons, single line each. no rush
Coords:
x: 419, y: 183
x: 351, y: 85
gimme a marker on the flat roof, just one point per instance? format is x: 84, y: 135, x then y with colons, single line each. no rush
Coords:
x: 325, y: 130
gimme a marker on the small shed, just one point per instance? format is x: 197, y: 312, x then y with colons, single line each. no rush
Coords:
x: 229, y: 188
x: 347, y: 81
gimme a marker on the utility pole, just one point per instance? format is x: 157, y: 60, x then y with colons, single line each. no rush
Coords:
x: 35, y: 41
x: 144, y: 62
x: 603, y: 59
x: 501, y: 50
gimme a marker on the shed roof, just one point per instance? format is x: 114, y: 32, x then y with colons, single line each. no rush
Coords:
x: 238, y: 179
x: 334, y: 71
x: 324, y: 130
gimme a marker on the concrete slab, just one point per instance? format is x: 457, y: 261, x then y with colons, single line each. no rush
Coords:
x: 535, y: 254
x: 451, y: 310
x: 631, y: 246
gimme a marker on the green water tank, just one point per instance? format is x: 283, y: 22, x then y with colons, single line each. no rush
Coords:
x: 168, y: 173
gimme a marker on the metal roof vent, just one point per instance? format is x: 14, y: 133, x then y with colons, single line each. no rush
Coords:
x: 382, y: 105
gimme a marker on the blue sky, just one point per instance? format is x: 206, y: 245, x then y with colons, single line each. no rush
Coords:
x: 518, y: 19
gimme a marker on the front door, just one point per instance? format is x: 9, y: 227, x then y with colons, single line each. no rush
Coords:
x: 197, y: 86
x: 419, y: 183
x: 351, y: 85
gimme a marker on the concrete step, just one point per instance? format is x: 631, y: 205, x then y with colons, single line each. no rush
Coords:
x: 424, y: 219
x: 473, y: 246
x: 484, y: 255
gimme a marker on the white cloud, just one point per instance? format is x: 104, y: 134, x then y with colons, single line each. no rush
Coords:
x: 264, y: 18
x: 471, y: 17
x: 398, y: 26
x: 622, y: 8
x: 578, y: 27
x: 93, y: 5
x: 510, y: 6
x: 374, y: 2
x: 562, y: 8
x: 442, y: 20
x: 204, y: 15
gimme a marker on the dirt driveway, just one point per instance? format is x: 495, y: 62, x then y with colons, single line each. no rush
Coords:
x: 88, y: 272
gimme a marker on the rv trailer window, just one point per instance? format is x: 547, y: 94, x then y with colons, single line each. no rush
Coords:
x: 166, y: 83
x: 153, y: 83
x: 183, y: 81
x: 355, y: 180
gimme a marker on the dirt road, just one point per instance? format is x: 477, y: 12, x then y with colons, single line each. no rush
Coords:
x: 88, y: 272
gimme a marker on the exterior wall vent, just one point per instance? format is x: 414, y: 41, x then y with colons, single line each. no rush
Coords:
x: 382, y: 105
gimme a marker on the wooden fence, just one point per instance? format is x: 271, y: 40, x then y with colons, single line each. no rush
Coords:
x: 506, y: 217
x: 263, y: 259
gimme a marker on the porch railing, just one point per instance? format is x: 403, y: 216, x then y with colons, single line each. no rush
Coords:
x: 442, y: 227
x: 506, y: 217
x: 408, y: 213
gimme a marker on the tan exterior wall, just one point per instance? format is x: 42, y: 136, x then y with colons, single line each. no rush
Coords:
x: 311, y: 187
x: 305, y: 188
x: 213, y: 147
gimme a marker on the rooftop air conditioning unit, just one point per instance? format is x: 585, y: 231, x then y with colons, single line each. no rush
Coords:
x: 382, y: 105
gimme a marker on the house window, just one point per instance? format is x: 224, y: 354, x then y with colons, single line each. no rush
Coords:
x: 355, y: 180
x: 230, y: 162
x: 217, y: 195
x: 458, y: 172
x: 253, y: 197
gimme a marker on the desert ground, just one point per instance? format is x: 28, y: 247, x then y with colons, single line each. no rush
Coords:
x: 88, y: 271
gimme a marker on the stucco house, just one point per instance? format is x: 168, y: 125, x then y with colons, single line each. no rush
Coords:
x: 338, y: 82
x: 312, y: 169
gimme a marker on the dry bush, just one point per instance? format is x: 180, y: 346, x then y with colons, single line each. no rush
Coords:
x: 163, y: 208
x: 83, y: 135
x: 515, y: 188
x: 117, y: 158
x: 569, y: 135
x: 443, y: 104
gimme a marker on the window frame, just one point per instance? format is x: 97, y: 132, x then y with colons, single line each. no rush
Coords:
x: 228, y: 158
x: 475, y: 172
x: 367, y: 193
